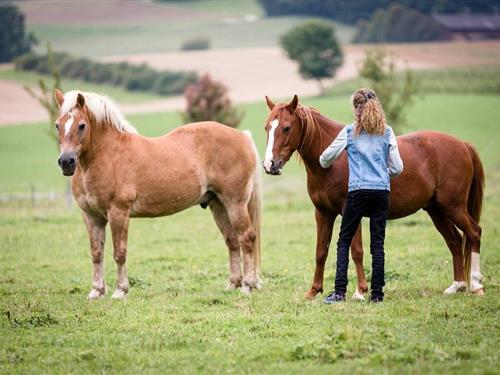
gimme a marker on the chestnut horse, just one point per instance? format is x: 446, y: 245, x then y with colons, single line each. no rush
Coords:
x: 442, y: 175
x: 118, y: 174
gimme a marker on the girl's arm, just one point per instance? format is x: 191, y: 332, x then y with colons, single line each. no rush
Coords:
x: 333, y: 151
x: 394, y: 163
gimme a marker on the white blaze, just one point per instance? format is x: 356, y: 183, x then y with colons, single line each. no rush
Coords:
x: 270, y: 143
x: 67, y: 126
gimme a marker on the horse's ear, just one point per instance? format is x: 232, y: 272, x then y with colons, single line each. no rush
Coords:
x: 270, y: 103
x: 59, y: 97
x: 80, y: 101
x: 292, y: 106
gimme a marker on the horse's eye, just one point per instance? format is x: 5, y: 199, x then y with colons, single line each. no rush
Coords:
x: 57, y: 127
x: 81, y: 127
x: 286, y: 129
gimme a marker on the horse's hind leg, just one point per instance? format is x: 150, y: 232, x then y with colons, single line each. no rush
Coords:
x: 247, y: 237
x: 118, y: 222
x: 97, y: 233
x: 357, y: 257
x: 472, y: 230
x: 454, y: 241
x: 232, y: 243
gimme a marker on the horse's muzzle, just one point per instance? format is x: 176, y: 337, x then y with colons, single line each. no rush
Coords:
x: 276, y: 167
x: 67, y: 163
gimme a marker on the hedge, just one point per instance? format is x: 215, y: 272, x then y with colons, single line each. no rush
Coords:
x: 131, y: 77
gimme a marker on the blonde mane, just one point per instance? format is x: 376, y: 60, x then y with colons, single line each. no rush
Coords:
x: 102, y: 108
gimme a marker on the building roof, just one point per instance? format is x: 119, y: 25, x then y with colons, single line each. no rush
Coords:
x: 469, y: 22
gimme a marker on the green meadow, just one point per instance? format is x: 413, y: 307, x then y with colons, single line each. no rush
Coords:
x: 178, y: 318
x: 115, y: 92
x: 227, y: 24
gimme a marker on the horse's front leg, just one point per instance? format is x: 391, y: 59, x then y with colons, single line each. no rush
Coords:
x: 97, y: 233
x: 357, y: 257
x: 324, y: 226
x: 118, y: 222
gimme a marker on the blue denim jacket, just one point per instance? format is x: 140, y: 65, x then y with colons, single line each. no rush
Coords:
x: 373, y: 159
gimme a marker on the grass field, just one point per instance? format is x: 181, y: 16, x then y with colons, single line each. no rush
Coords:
x: 117, y: 93
x: 463, y: 80
x: 225, y: 23
x: 178, y: 319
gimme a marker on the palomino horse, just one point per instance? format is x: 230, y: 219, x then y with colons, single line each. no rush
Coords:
x: 442, y: 175
x: 118, y: 174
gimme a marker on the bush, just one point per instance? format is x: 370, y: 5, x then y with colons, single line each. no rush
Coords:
x: 45, y: 93
x: 132, y: 77
x: 399, y: 24
x: 208, y: 100
x: 316, y: 48
x: 197, y: 43
x: 395, y: 94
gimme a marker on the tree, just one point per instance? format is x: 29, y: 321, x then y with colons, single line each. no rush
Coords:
x: 396, y: 94
x: 208, y: 100
x: 315, y: 47
x: 399, y: 24
x: 45, y: 96
x: 352, y: 11
x: 13, y: 39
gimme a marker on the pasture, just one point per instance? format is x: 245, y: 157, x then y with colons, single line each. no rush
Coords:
x: 118, y: 93
x: 81, y: 30
x: 178, y: 318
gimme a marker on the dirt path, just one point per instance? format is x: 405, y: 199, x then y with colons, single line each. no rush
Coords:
x: 254, y: 72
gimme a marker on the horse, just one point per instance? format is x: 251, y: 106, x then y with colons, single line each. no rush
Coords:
x: 118, y: 174
x: 442, y: 175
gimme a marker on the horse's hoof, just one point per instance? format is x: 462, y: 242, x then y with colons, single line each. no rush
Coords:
x: 358, y: 296
x: 311, y: 294
x: 258, y: 283
x: 119, y: 294
x: 95, y: 294
x: 456, y: 286
x: 479, y: 292
x: 231, y: 286
x: 245, y: 289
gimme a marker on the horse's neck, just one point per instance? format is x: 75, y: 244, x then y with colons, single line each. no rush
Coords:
x: 326, y: 131
x: 104, y: 142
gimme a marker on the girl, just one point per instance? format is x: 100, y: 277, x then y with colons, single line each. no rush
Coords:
x: 373, y: 157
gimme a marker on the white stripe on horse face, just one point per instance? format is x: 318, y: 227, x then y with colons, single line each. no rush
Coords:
x: 270, y: 144
x: 67, y: 125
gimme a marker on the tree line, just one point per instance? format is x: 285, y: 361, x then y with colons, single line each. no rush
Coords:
x: 352, y: 11
x: 129, y: 76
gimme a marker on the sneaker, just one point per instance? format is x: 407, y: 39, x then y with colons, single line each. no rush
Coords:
x: 334, y: 298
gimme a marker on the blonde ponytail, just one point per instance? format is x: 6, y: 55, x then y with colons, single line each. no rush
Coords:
x: 369, y: 115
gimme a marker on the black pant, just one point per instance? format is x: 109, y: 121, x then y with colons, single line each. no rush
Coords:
x: 373, y: 204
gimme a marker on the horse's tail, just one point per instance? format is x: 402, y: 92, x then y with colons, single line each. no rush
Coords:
x: 255, y: 203
x: 474, y: 205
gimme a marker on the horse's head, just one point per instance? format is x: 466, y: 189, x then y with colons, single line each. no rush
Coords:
x: 284, y: 133
x: 73, y: 127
